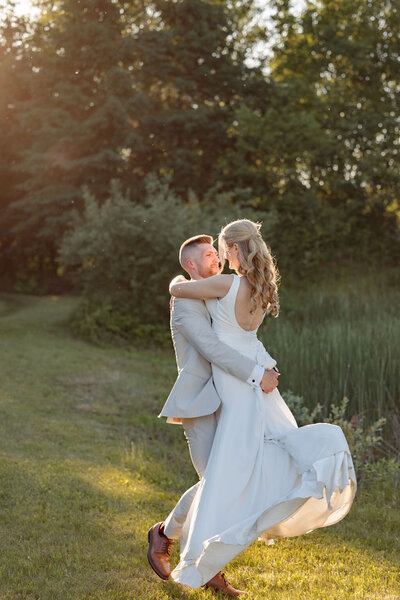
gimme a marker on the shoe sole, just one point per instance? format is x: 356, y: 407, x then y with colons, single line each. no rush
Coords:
x: 149, y: 534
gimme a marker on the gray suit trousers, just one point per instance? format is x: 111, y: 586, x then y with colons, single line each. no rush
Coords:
x: 199, y: 432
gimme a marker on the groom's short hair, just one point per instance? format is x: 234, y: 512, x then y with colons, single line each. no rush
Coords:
x: 196, y: 240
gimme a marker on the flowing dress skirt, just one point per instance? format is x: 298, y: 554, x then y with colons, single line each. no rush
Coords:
x: 265, y: 477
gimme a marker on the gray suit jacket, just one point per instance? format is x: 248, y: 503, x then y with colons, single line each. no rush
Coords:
x: 196, y: 346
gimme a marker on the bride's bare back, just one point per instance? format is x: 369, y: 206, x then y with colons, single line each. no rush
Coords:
x: 244, y: 317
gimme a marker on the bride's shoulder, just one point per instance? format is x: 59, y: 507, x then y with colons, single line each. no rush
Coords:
x: 222, y: 278
x: 217, y: 286
x: 222, y: 281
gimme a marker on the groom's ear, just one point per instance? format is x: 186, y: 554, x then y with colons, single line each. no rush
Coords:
x: 188, y: 265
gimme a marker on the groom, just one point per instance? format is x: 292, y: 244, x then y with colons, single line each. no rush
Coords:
x: 193, y: 401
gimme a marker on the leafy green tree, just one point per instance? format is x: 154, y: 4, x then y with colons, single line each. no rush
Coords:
x: 347, y: 53
x: 118, y: 90
x: 193, y: 75
x: 77, y: 115
x: 105, y: 89
x: 323, y: 148
x: 14, y: 67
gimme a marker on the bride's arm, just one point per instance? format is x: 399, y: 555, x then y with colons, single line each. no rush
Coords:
x: 216, y: 286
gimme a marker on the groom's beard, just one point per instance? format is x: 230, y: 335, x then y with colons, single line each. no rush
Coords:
x: 209, y: 271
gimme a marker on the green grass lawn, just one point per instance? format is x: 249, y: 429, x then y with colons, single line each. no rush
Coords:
x: 86, y: 468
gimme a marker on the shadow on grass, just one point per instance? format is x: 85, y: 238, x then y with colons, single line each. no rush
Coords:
x: 77, y: 535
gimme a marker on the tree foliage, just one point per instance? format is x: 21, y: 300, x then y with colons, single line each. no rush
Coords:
x: 77, y: 113
x: 323, y: 147
x: 14, y: 69
x: 101, y: 90
x: 193, y: 75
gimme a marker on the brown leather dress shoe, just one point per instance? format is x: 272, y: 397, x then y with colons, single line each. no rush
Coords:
x: 159, y: 552
x: 219, y: 583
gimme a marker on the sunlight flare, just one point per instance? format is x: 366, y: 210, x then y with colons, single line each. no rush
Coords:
x: 25, y: 7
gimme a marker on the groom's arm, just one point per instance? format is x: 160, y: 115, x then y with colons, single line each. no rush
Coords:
x: 190, y: 318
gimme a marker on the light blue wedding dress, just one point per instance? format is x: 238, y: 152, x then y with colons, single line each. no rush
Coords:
x: 265, y: 477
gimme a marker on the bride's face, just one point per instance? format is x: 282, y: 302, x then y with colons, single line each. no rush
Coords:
x: 231, y: 254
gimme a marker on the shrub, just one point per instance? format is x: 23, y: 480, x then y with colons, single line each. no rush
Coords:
x: 364, y: 442
x: 385, y: 476
x: 99, y: 323
x: 122, y: 254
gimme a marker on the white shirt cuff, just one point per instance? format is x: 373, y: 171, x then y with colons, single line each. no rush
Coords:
x: 256, y: 375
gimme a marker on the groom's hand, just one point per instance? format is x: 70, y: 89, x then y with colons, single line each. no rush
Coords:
x: 178, y: 279
x: 270, y: 381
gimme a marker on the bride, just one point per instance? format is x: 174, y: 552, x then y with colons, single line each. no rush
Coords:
x: 265, y: 477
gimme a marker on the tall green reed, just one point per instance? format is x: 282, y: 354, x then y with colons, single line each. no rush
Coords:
x: 343, y: 341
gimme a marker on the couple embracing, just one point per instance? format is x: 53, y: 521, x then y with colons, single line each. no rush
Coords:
x: 260, y: 475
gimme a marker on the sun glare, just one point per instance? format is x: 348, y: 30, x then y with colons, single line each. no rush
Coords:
x: 25, y: 7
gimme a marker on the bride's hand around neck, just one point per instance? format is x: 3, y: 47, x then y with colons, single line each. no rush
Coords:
x: 216, y: 286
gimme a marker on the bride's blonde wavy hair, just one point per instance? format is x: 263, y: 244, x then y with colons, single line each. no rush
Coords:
x: 256, y: 262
